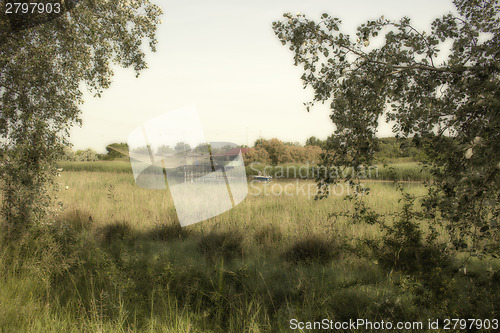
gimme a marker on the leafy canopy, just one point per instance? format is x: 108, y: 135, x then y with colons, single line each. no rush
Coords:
x: 445, y: 98
x: 43, y: 70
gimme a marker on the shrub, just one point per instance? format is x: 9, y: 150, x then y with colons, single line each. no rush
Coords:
x: 403, y: 245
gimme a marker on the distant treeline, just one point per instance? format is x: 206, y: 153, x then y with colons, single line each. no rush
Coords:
x: 275, y: 151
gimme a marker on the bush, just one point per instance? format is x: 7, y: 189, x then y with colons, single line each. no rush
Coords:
x: 403, y: 245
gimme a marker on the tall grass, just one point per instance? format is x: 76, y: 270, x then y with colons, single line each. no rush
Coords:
x: 98, y: 166
x: 110, y: 197
x: 115, y: 259
x: 406, y: 171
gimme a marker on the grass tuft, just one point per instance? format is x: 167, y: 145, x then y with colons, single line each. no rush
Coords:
x: 218, y: 245
x: 312, y: 249
x: 120, y: 231
x: 167, y: 232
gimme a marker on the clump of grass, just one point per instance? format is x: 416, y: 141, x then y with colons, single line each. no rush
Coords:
x: 77, y: 219
x: 268, y: 235
x: 217, y: 245
x: 410, y: 171
x: 117, y: 231
x: 312, y: 249
x: 166, y: 232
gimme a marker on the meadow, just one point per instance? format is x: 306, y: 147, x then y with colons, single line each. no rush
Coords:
x: 114, y: 259
x: 397, y: 170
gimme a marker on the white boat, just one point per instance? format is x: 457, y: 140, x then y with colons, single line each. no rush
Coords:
x: 263, y: 178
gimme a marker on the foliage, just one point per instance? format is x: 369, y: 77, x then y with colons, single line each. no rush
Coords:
x: 308, y: 154
x: 314, y: 141
x: 257, y: 155
x: 115, y: 151
x: 165, y: 150
x: 275, y: 152
x: 143, y: 150
x: 87, y: 155
x: 391, y: 148
x: 41, y: 74
x: 182, y: 147
x: 202, y: 148
x: 68, y: 154
x: 446, y: 99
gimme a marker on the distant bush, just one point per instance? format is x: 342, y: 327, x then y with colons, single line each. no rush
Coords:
x: 276, y: 152
x: 67, y: 155
x: 87, y: 155
x: 391, y: 148
x: 115, y: 151
x: 257, y: 155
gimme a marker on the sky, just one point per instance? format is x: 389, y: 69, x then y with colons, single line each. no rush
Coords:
x: 223, y: 57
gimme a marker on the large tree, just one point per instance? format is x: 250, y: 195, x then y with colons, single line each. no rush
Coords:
x: 440, y: 87
x: 45, y: 62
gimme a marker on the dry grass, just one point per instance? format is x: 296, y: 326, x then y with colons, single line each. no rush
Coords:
x: 287, y: 205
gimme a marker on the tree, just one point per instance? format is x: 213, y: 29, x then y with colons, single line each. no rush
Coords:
x: 68, y: 154
x: 446, y: 100
x: 165, y: 150
x: 41, y: 74
x: 116, y: 150
x: 257, y: 155
x: 182, y: 147
x: 314, y: 141
x: 86, y: 155
x: 142, y: 150
x: 276, y: 150
x: 202, y: 148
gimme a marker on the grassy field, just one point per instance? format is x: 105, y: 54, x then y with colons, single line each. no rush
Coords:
x: 403, y: 171
x: 111, y: 197
x: 115, y: 259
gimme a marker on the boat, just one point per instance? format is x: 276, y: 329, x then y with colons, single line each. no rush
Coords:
x: 263, y: 178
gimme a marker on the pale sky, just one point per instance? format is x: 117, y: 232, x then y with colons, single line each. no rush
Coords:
x: 223, y: 57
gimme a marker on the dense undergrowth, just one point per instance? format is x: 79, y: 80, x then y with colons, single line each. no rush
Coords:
x: 73, y: 275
